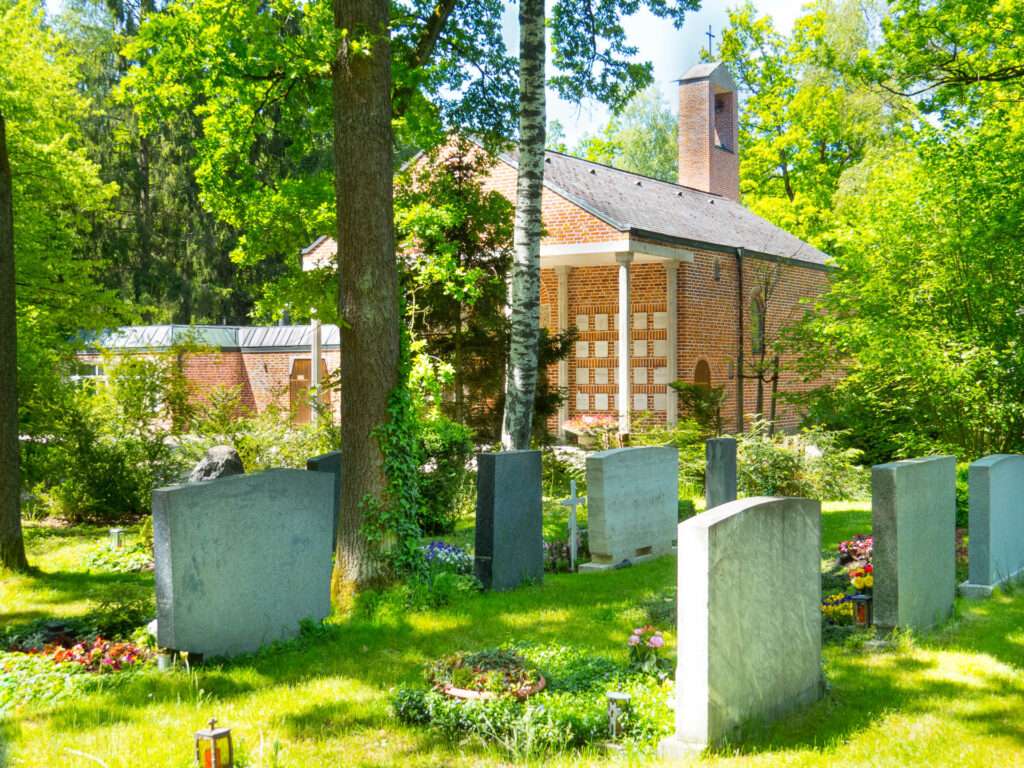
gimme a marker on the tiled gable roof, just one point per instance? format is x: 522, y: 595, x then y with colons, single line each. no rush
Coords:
x: 666, y: 212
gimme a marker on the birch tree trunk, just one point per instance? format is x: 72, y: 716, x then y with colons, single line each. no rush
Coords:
x: 521, y: 378
x: 367, y: 278
x: 12, y: 545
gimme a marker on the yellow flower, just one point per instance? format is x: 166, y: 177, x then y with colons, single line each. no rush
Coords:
x: 869, y: 581
x: 858, y: 582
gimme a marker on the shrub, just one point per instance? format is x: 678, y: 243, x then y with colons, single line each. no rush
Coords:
x: 448, y: 558
x: 766, y: 466
x: 962, y: 495
x: 813, y: 464
x: 445, y: 449
x: 686, y: 436
x: 559, y: 466
x: 687, y: 509
x: 704, y: 404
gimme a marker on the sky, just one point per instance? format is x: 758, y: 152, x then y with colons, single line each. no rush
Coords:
x: 672, y: 51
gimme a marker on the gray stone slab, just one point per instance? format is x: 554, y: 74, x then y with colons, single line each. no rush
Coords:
x: 749, y: 642
x: 240, y: 561
x: 632, y: 504
x: 913, y: 521
x: 996, y: 542
x: 720, y: 471
x: 330, y: 462
x: 509, y: 519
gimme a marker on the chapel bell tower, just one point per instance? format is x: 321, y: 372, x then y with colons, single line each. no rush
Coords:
x: 709, y: 157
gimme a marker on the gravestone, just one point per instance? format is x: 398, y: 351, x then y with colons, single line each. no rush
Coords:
x: 632, y: 505
x: 749, y: 643
x: 509, y: 519
x: 720, y: 471
x: 218, y: 461
x: 330, y: 462
x: 240, y: 561
x: 913, y: 521
x: 996, y: 527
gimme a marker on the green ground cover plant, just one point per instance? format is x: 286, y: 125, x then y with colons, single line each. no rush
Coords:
x: 951, y: 698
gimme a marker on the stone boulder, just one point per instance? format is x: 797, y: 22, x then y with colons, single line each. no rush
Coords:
x: 219, y: 461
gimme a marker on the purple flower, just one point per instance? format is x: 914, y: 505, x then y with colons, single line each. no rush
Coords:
x: 633, y: 640
x: 656, y: 642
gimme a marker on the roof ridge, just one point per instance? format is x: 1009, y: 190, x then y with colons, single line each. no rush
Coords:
x: 634, y: 173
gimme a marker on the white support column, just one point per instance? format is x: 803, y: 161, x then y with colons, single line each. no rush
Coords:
x: 672, y: 359
x: 315, y: 358
x: 625, y: 339
x: 563, y: 365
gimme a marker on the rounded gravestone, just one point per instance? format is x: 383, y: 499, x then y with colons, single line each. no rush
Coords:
x: 219, y: 461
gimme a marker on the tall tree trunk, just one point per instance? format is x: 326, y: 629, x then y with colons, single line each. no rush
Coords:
x: 367, y: 278
x: 521, y: 378
x: 12, y: 546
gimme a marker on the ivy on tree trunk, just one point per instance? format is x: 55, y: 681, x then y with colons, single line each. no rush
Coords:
x: 521, y: 379
x: 12, y: 546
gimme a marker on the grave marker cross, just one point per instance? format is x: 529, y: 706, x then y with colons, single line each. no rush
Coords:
x: 572, y: 502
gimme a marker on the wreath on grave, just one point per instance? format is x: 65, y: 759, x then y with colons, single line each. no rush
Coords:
x: 488, y: 674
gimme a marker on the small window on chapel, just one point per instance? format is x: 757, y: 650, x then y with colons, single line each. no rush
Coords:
x: 758, y: 315
x: 702, y: 375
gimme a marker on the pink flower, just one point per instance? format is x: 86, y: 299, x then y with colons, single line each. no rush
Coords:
x: 656, y: 642
x: 633, y: 640
x: 638, y: 631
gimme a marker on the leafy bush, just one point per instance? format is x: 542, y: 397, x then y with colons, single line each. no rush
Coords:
x: 445, y: 449
x: 687, y: 509
x: 703, y: 404
x: 560, y: 465
x: 686, y: 436
x: 813, y: 464
x: 265, y: 441
x: 962, y: 495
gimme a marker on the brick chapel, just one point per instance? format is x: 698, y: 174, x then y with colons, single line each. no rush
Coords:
x: 664, y: 281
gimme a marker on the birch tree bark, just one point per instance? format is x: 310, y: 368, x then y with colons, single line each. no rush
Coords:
x: 521, y: 378
x: 12, y: 545
x: 367, y: 278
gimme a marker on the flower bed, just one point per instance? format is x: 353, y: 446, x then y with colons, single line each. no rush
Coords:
x: 569, y: 713
x: 483, y: 675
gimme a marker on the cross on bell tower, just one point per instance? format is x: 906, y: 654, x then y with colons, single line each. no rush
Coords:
x: 711, y: 50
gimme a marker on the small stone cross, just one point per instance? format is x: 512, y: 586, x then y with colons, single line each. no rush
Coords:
x: 574, y: 532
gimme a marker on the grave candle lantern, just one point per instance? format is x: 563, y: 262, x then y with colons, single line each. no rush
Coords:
x: 618, y: 706
x: 861, y: 610
x: 214, y: 748
x: 117, y: 537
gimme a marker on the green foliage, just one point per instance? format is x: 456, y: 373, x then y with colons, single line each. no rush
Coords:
x: 390, y: 524
x: 686, y: 436
x: 803, y: 121
x: 445, y: 448
x: 703, y: 404
x: 126, y: 559
x: 687, y: 509
x: 640, y: 139
x: 813, y: 465
x: 109, y: 443
x: 962, y: 495
x: 569, y: 713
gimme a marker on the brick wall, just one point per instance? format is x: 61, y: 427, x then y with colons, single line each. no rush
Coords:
x: 262, y: 378
x: 707, y: 330
x: 708, y: 126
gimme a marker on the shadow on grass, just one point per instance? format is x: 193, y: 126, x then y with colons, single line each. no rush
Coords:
x: 326, y: 721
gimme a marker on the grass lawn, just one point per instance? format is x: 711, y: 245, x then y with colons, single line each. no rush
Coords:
x: 954, y: 698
